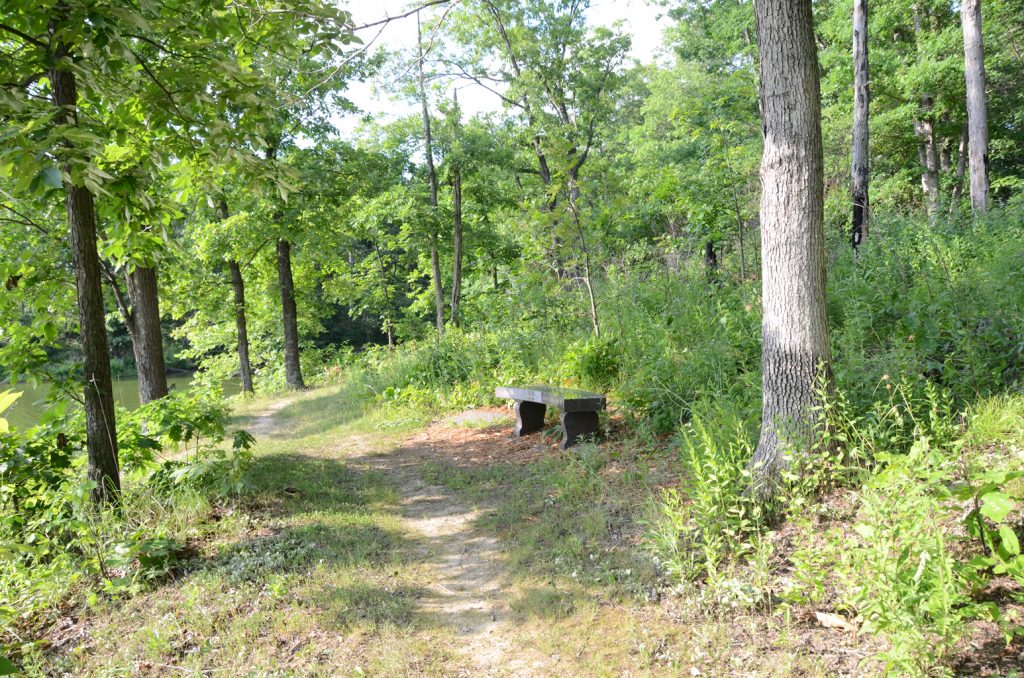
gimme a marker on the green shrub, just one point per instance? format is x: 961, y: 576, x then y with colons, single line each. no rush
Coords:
x: 172, y: 453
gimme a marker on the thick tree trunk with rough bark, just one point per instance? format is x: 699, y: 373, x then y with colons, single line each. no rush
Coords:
x: 428, y: 149
x: 241, y: 327
x: 977, y: 111
x: 289, y: 317
x: 100, y: 426
x: 457, y: 243
x: 147, y: 338
x: 795, y: 342
x: 861, y: 104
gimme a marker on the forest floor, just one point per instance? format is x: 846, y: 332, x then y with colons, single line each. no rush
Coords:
x: 379, y: 543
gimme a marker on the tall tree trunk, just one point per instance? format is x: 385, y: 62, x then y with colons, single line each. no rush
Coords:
x: 435, y: 263
x: 147, y: 338
x: 795, y: 341
x: 928, y: 158
x: 861, y: 104
x: 292, y: 368
x: 977, y: 112
x: 241, y: 327
x: 241, y: 324
x: 100, y: 426
x: 457, y: 243
x: 924, y: 127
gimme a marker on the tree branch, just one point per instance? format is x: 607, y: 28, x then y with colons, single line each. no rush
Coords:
x: 25, y: 36
x: 389, y: 19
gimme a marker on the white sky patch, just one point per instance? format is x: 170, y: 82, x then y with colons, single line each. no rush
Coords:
x: 641, y: 20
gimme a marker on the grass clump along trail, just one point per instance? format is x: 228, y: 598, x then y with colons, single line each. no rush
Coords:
x: 787, y: 253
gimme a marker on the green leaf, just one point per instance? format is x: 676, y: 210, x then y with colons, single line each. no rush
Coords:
x: 996, y: 506
x: 50, y: 176
x: 7, y: 667
x: 1009, y: 540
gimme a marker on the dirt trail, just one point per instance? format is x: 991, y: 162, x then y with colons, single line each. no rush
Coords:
x: 263, y: 423
x: 467, y: 574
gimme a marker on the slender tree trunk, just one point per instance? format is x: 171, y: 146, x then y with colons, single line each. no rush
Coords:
x: 457, y: 242
x: 435, y: 263
x: 289, y: 317
x: 388, y: 328
x: 147, y: 338
x: 795, y: 341
x: 977, y: 112
x: 961, y: 170
x: 241, y: 324
x: 100, y: 425
x: 928, y: 158
x: 588, y: 278
x: 241, y: 327
x: 861, y: 104
x: 927, y: 151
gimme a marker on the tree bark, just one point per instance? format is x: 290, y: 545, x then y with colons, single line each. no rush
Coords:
x: 289, y: 317
x: 861, y: 104
x: 928, y: 158
x: 795, y: 341
x: 927, y: 152
x: 428, y: 150
x: 457, y: 243
x: 241, y: 327
x: 100, y: 425
x: 241, y: 324
x: 147, y: 338
x: 977, y: 112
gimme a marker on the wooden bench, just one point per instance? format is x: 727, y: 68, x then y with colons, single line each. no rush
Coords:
x: 579, y: 410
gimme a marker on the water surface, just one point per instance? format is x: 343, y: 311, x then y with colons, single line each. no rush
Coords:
x: 29, y: 407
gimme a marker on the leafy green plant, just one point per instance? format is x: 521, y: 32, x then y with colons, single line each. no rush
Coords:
x: 710, y: 519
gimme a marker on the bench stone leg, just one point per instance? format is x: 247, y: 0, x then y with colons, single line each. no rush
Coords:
x: 576, y: 425
x: 529, y: 417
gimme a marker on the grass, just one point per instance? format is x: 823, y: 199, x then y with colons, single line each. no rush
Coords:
x: 315, y: 571
x: 310, y: 573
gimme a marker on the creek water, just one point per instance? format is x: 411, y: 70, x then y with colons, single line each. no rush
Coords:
x: 29, y: 407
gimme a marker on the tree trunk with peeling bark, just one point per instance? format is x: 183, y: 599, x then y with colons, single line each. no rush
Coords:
x: 795, y: 341
x: 977, y: 111
x: 100, y: 425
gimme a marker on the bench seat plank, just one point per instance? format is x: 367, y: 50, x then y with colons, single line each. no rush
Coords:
x: 565, y: 399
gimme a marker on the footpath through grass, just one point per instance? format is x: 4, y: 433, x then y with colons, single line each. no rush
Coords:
x: 321, y: 569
